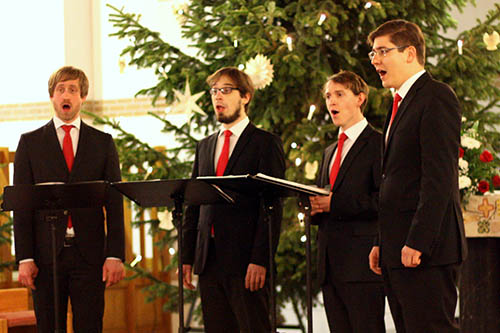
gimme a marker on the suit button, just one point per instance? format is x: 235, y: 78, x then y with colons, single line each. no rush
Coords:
x: 65, y: 212
x: 383, y: 176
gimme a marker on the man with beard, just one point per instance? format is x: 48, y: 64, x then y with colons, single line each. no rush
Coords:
x: 89, y: 259
x: 227, y: 245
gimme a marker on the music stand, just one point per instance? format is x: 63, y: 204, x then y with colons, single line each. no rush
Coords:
x: 168, y: 193
x: 53, y: 197
x: 266, y: 186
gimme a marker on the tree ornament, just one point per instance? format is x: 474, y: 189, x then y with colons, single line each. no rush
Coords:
x: 186, y: 103
x: 260, y: 71
x: 311, y: 169
x: 179, y: 9
x: 165, y: 219
x: 491, y: 40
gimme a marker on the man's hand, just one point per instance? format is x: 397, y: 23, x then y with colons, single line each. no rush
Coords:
x: 320, y: 204
x: 410, y: 257
x: 374, y: 260
x: 112, y: 271
x: 27, y: 274
x: 255, y: 278
x: 187, y: 277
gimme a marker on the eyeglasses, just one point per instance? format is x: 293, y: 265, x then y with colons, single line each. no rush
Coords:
x: 223, y: 90
x: 383, y: 52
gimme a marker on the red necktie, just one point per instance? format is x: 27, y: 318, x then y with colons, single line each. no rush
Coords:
x: 222, y: 162
x: 224, y: 155
x: 395, y: 104
x: 68, y: 155
x: 338, y: 158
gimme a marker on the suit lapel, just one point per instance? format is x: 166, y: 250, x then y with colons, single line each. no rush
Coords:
x: 212, y: 143
x: 403, y: 107
x: 54, y: 150
x: 361, y: 141
x: 240, y: 147
x: 325, y: 171
x: 82, y: 148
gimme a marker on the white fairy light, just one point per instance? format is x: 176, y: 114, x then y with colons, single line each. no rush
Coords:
x: 293, y: 145
x: 298, y: 161
x: 289, y: 42
x: 235, y: 43
x: 368, y: 5
x: 460, y: 43
x: 312, y: 108
x: 303, y: 238
x: 171, y: 251
x: 322, y: 19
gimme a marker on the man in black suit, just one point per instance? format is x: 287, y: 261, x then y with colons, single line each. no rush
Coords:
x: 421, y: 236
x: 347, y: 219
x: 228, y: 244
x: 67, y: 150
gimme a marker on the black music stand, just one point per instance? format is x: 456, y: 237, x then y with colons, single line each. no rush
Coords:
x: 168, y: 193
x: 270, y: 187
x: 53, y: 197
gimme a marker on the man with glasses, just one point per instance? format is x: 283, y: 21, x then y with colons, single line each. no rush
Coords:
x: 421, y: 234
x: 228, y: 245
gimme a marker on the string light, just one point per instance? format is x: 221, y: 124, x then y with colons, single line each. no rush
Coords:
x: 241, y: 67
x: 298, y: 161
x: 322, y: 18
x: 171, y: 251
x: 289, y: 42
x: 136, y: 261
x: 303, y: 239
x: 312, y: 108
x: 460, y: 43
x: 293, y: 145
x: 368, y: 5
x: 235, y: 43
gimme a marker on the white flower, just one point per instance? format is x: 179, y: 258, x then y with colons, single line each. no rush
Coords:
x: 311, y: 169
x: 469, y: 142
x: 464, y: 182
x: 260, y: 71
x: 463, y: 164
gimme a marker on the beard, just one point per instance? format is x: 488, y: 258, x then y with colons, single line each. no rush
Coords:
x: 231, y: 117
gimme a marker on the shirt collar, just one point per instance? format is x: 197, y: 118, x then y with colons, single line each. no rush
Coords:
x: 237, y: 128
x: 405, y: 87
x: 355, y: 130
x: 58, y: 122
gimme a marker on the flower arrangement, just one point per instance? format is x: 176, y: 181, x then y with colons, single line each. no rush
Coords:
x: 478, y: 166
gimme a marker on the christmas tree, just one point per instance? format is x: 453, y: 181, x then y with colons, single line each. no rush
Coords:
x: 290, y: 48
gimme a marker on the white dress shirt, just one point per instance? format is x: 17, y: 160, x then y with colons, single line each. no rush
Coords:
x: 236, y: 130
x: 352, y: 133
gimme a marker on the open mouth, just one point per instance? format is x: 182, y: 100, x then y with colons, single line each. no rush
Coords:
x: 335, y: 112
x: 381, y: 73
x: 66, y: 107
x: 219, y: 108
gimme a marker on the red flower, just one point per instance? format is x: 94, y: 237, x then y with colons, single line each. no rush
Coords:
x: 461, y: 152
x: 483, y: 186
x: 496, y: 180
x: 486, y: 156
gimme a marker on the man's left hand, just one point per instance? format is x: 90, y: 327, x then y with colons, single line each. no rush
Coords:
x: 112, y: 271
x: 255, y: 278
x: 410, y: 257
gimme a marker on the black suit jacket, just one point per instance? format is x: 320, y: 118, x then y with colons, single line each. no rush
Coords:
x: 346, y: 233
x: 419, y: 196
x: 39, y: 159
x: 241, y: 233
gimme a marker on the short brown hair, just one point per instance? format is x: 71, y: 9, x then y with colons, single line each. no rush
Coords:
x: 69, y: 73
x: 402, y: 33
x: 240, y: 79
x: 351, y: 81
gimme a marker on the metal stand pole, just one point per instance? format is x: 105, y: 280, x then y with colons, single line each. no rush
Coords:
x: 177, y: 215
x: 305, y: 204
x: 52, y: 220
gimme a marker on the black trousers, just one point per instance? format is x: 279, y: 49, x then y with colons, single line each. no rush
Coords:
x: 354, y: 307
x: 422, y: 299
x: 79, y: 281
x: 227, y: 306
